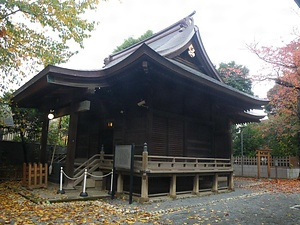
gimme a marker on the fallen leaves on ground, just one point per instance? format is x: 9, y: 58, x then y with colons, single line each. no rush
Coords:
x: 281, y: 185
x: 16, y: 209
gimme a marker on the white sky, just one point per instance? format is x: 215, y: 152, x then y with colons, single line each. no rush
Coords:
x: 225, y: 27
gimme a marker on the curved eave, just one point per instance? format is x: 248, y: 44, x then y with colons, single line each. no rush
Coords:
x: 52, y: 75
x: 42, y: 81
x: 203, y: 57
x: 245, y: 117
x: 215, y: 84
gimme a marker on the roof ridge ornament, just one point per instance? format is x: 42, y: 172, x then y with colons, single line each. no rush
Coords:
x: 187, y: 21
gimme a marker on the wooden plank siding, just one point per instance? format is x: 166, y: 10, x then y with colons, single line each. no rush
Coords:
x: 180, y: 137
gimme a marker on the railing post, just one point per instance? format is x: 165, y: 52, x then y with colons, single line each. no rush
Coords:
x: 111, y: 181
x: 145, y: 158
x: 144, y: 186
x: 84, y: 193
x: 61, y: 191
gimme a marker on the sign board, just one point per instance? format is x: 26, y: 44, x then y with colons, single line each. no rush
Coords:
x: 123, y: 159
x: 123, y: 156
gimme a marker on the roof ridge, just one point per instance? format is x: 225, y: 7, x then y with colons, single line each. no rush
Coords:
x: 179, y: 25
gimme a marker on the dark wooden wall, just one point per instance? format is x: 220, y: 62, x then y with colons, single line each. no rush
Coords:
x: 178, y: 120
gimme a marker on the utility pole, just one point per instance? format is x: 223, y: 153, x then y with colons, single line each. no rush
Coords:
x: 242, y: 149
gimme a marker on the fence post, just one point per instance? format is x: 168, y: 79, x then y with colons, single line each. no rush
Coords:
x: 24, y: 174
x: 258, y: 165
x: 34, y: 174
x: 29, y: 174
x: 61, y: 191
x: 40, y: 173
x: 84, y: 193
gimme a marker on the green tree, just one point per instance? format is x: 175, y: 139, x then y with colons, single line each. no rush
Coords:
x: 39, y: 32
x: 236, y: 76
x: 131, y: 41
x: 252, y: 140
x: 58, y: 131
x: 27, y: 124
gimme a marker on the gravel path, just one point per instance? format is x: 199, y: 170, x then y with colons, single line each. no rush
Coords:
x: 246, y: 205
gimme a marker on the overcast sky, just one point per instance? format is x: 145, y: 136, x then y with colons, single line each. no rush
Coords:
x: 225, y: 27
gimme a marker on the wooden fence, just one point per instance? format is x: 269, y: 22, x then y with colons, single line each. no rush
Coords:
x: 35, y: 175
x: 282, y: 161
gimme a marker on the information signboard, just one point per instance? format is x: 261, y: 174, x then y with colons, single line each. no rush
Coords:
x: 123, y: 157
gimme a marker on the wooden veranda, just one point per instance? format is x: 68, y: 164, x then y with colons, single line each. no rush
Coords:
x: 169, y: 168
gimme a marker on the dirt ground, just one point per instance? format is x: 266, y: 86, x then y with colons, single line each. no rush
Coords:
x: 253, y: 202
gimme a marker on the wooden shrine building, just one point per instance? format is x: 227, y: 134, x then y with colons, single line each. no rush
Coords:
x: 163, y: 91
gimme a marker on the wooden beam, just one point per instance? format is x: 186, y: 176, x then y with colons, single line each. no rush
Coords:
x: 77, y: 107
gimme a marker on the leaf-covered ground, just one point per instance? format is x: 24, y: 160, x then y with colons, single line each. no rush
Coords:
x: 281, y: 185
x: 15, y: 209
x: 254, y: 200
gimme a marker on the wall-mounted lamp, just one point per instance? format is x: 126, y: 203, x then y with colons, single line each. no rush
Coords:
x: 51, y: 114
x: 110, y: 124
x: 142, y: 103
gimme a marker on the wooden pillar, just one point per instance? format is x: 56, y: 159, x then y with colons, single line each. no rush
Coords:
x: 230, y: 182
x: 145, y: 190
x: 215, y: 183
x: 173, y: 187
x: 120, y: 184
x: 71, y: 147
x: 144, y: 183
x: 43, y: 153
x: 196, y: 184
